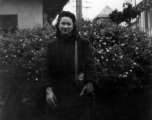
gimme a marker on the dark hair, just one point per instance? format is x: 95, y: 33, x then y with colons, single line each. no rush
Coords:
x: 65, y: 14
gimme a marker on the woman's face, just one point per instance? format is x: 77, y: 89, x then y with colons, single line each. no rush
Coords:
x: 65, y: 25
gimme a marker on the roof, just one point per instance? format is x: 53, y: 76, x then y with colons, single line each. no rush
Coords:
x: 53, y: 7
x: 105, y: 12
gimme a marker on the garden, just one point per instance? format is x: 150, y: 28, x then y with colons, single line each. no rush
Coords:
x: 124, y: 64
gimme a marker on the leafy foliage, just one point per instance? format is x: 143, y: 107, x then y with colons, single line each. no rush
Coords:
x: 123, y: 56
x: 22, y: 53
x: 129, y: 12
x: 116, y: 16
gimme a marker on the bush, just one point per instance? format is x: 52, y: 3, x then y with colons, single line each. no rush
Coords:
x: 123, y: 56
x: 22, y: 54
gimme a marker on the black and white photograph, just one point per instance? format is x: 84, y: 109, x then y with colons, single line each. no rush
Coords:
x: 75, y: 59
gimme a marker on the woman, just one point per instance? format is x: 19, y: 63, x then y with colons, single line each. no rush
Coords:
x: 67, y: 99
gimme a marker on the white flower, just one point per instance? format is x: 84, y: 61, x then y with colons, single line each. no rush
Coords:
x: 122, y: 44
x: 102, y: 57
x: 100, y: 40
x: 121, y: 57
x: 85, y: 33
x: 124, y: 76
x: 97, y: 60
x: 23, y: 44
x: 136, y: 48
x: 108, y: 50
x: 99, y: 51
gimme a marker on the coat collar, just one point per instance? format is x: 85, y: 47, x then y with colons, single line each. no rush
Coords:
x: 68, y: 38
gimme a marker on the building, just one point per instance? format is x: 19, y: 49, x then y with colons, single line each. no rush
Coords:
x: 104, y: 14
x: 28, y: 13
x: 144, y: 21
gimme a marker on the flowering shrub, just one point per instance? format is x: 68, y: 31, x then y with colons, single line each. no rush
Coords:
x: 122, y: 55
x: 22, y: 54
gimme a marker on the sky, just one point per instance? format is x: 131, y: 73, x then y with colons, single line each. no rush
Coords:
x: 96, y: 6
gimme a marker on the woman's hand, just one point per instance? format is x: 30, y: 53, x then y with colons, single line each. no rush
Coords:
x: 88, y: 88
x: 50, y: 97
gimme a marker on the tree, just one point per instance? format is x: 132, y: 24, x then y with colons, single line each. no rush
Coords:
x: 129, y: 12
x: 116, y: 16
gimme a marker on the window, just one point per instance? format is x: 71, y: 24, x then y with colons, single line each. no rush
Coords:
x: 150, y: 17
x: 8, y: 22
x: 146, y: 19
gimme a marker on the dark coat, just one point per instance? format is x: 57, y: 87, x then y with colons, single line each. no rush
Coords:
x: 60, y: 62
x: 59, y: 73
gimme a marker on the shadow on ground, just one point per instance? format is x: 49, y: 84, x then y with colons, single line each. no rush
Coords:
x: 132, y: 105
